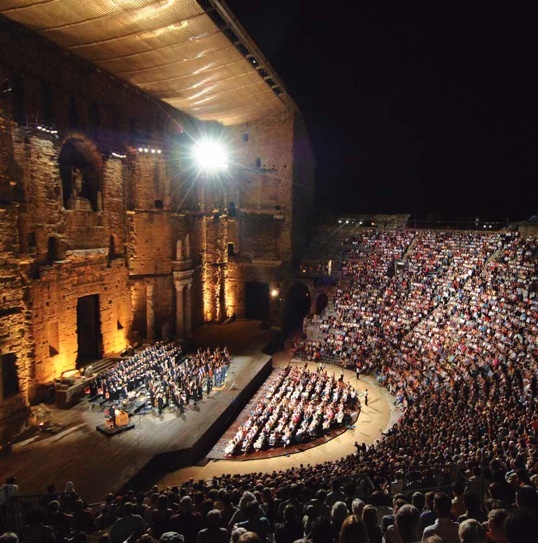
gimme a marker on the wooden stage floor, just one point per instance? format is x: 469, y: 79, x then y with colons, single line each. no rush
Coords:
x: 98, y: 464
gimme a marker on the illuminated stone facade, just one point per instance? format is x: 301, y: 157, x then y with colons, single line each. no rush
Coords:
x: 107, y: 239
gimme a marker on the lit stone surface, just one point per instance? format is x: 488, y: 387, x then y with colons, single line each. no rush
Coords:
x: 103, y: 245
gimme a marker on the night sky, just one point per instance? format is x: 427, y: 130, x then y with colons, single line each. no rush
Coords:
x: 431, y: 111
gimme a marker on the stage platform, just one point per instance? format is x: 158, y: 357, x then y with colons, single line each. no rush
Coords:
x: 98, y: 464
x: 116, y: 430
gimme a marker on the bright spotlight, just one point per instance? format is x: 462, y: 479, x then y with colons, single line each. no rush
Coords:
x: 210, y: 156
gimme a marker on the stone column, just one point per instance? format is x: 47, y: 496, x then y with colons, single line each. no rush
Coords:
x: 180, y: 310
x: 150, y: 313
x: 188, y: 311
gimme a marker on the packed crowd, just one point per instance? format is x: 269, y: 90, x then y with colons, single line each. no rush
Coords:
x: 285, y: 507
x: 449, y: 324
x: 301, y: 405
x: 167, y: 376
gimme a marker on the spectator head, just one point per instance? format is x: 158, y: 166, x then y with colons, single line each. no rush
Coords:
x: 335, y: 485
x: 429, y: 499
x: 225, y: 497
x: 442, y: 505
x: 398, y: 503
x: 527, y: 498
x: 519, y: 524
x: 433, y: 539
x: 290, y: 513
x: 185, y: 504
x: 353, y: 530
x: 496, y: 525
x: 9, y: 537
x: 249, y: 537
x: 418, y: 500
x: 471, y: 531
x: 369, y: 515
x: 321, y: 495
x: 213, y: 518
x: 407, y: 523
x: 236, y: 532
x: 252, y: 509
x: 357, y: 507
x: 127, y: 509
x: 54, y: 505
x: 339, y: 513
x: 246, y: 498
x: 171, y: 537
x: 162, y: 502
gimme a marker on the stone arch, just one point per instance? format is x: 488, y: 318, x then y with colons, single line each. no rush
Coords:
x: 179, y: 250
x: 321, y: 303
x: 81, y: 172
x: 296, y: 308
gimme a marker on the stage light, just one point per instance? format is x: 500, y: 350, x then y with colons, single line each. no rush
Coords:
x: 210, y: 156
x: 274, y: 293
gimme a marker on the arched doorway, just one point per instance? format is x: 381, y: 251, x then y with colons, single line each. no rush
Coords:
x: 296, y: 308
x: 256, y: 300
x: 321, y: 303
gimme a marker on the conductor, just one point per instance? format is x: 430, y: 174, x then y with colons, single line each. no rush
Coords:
x: 112, y: 415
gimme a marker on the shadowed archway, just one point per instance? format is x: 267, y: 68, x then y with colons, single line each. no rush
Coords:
x: 321, y: 303
x: 81, y: 171
x: 296, y: 308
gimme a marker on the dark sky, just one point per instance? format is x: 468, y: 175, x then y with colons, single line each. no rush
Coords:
x: 431, y: 111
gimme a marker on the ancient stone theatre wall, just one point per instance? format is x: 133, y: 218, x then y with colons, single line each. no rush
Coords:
x: 105, y: 237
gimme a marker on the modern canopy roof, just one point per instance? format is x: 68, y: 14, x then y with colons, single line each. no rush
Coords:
x: 192, y: 54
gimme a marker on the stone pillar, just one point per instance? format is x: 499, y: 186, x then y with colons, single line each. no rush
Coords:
x: 188, y: 310
x: 180, y: 310
x: 150, y: 313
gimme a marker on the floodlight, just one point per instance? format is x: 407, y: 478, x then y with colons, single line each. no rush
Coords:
x: 210, y: 155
